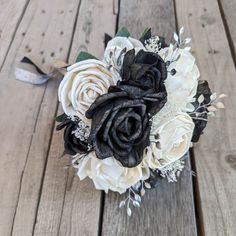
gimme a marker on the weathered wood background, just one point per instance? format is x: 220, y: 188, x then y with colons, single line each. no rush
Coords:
x: 39, y: 195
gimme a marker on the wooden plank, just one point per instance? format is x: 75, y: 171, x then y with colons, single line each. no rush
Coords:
x: 215, y: 154
x: 228, y: 9
x: 27, y: 111
x: 168, y: 209
x: 11, y: 13
x: 68, y: 206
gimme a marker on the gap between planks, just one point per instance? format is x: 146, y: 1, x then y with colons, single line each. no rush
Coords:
x: 231, y: 40
x: 73, y: 187
x: 53, y: 126
x: 36, y: 121
x: 196, y: 196
x: 13, y: 34
x: 214, y: 155
x: 40, y: 109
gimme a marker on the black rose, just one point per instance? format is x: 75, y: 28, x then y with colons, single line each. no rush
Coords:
x: 200, y: 124
x: 120, y: 127
x: 75, y: 140
x: 146, y: 71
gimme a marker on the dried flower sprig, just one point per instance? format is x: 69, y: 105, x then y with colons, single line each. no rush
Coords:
x: 209, y: 108
x: 134, y: 196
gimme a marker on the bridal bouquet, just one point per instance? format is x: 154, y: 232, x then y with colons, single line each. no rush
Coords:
x: 130, y: 118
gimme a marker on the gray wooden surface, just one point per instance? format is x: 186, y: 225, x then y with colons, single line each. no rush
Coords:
x: 215, y: 153
x: 39, y: 194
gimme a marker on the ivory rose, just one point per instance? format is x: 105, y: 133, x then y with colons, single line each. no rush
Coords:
x: 82, y: 84
x: 108, y: 174
x: 114, y: 52
x: 175, y: 132
x: 181, y: 85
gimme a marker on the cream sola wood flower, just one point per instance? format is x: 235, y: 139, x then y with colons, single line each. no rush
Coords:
x: 109, y: 174
x: 116, y: 49
x: 182, y: 80
x: 82, y: 84
x: 172, y: 127
x: 171, y: 136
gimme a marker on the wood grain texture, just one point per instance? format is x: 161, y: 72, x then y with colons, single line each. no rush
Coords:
x: 11, y: 13
x: 215, y: 154
x: 168, y: 209
x: 69, y: 206
x: 27, y: 112
x: 228, y: 8
x: 136, y: 15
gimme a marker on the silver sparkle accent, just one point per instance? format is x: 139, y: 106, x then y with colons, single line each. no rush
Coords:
x: 153, y: 44
x: 172, y: 171
x: 82, y: 131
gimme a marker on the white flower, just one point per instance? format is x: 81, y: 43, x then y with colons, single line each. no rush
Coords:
x: 109, y: 174
x: 175, y: 132
x: 181, y: 86
x: 114, y: 53
x: 82, y: 84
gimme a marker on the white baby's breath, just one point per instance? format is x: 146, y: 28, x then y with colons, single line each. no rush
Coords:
x: 172, y: 171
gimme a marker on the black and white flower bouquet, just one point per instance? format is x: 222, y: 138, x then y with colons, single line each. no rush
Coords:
x: 130, y: 118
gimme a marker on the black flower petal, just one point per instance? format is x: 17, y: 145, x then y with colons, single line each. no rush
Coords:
x: 143, y: 76
x: 120, y: 127
x: 72, y: 144
x: 202, y: 89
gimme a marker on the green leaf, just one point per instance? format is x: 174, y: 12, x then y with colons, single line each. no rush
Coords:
x: 60, y: 118
x: 123, y: 32
x: 146, y: 34
x: 84, y: 56
x: 146, y: 29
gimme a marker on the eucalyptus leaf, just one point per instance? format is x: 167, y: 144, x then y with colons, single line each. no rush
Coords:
x: 123, y: 32
x: 136, y: 204
x: 146, y: 34
x: 220, y: 105
x: 176, y: 37
x: 142, y: 191
x: 222, y: 95
x: 137, y: 198
x: 84, y: 56
x: 60, y: 118
x: 200, y: 99
x: 187, y: 48
x: 122, y: 203
x: 147, y: 185
x: 211, y: 114
x: 187, y: 40
x: 211, y: 108
x: 129, y: 212
x: 181, y: 30
x: 213, y: 96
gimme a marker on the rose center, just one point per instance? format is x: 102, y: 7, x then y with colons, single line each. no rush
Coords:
x: 92, y: 94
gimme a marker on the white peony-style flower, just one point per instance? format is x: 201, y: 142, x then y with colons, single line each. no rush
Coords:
x: 114, y: 52
x: 175, y: 132
x: 181, y: 85
x: 82, y: 84
x: 109, y: 174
